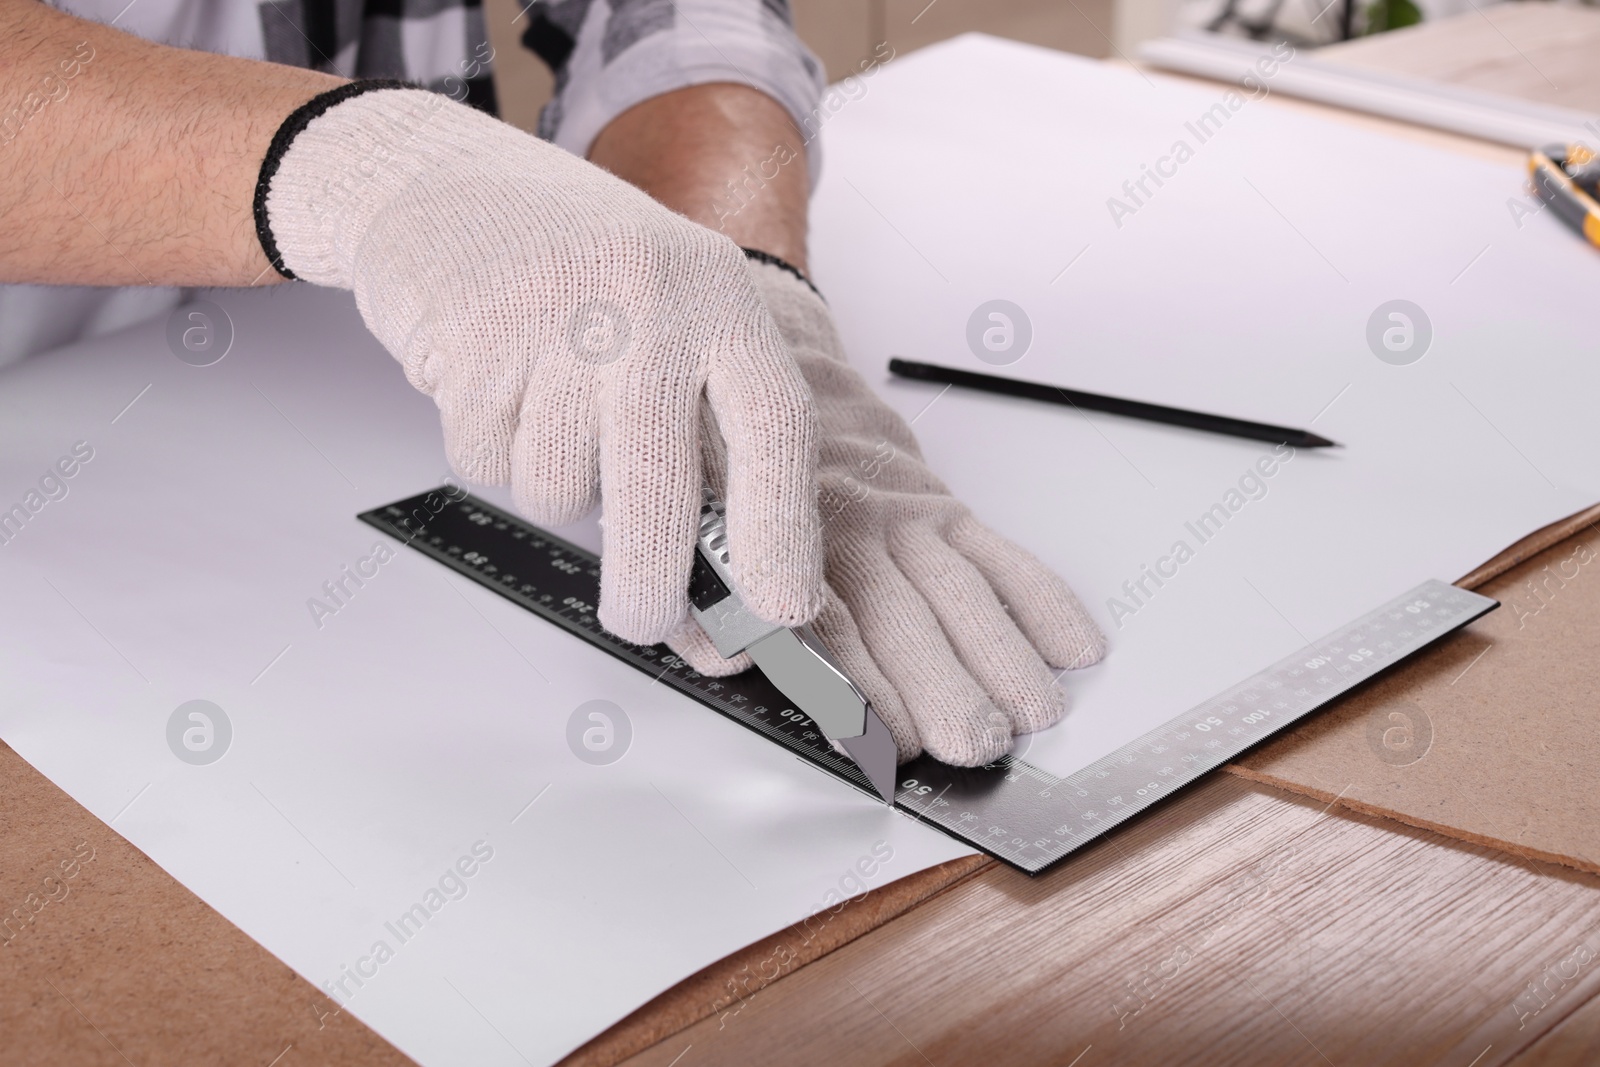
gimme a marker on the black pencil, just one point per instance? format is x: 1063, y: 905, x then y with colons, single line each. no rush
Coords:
x: 1133, y: 409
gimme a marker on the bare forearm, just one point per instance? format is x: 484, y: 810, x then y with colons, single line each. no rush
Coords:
x: 129, y: 163
x: 727, y: 156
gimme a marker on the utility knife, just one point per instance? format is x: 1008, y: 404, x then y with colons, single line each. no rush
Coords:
x: 793, y: 659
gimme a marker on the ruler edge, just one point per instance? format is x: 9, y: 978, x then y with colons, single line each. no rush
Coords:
x: 370, y: 517
x: 1489, y: 604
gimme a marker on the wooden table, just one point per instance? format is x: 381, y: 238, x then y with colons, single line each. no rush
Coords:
x: 1238, y: 925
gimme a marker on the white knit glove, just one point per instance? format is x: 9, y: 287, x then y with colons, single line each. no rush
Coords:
x: 568, y: 327
x: 945, y: 625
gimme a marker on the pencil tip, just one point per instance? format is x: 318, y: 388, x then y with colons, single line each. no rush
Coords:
x: 1313, y: 441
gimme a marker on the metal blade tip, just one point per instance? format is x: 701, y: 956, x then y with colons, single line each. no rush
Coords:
x: 875, y: 753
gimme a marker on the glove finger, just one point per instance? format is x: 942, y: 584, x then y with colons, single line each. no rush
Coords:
x: 478, y: 431
x: 691, y: 643
x: 955, y: 718
x: 984, y: 637
x: 764, y: 413
x: 839, y: 633
x: 477, y: 392
x: 555, y: 470
x: 650, y: 487
x: 1044, y: 608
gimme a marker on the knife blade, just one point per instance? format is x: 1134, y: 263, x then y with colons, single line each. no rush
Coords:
x: 793, y: 659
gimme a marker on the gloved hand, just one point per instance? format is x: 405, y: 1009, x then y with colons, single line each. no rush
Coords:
x: 946, y: 626
x: 568, y: 327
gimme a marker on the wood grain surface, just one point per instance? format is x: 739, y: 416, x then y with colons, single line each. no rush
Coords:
x: 1237, y: 925
x: 1575, y: 1042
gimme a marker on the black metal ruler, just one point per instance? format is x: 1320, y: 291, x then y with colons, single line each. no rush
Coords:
x: 1012, y: 810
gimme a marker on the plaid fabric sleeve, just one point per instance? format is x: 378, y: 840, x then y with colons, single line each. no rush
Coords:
x: 608, y: 55
x: 441, y: 45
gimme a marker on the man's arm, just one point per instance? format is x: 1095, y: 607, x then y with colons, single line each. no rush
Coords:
x: 473, y: 250
x: 124, y: 162
x: 727, y: 156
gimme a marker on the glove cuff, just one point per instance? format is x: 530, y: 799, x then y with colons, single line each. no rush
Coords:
x: 348, y: 156
x: 298, y: 120
x: 798, y: 308
x: 758, y: 256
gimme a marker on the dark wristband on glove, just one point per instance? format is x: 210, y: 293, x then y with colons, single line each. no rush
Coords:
x: 298, y: 120
x: 782, y: 264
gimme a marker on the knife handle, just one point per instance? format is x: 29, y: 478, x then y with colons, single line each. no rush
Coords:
x: 712, y: 538
x: 705, y: 587
x: 720, y: 613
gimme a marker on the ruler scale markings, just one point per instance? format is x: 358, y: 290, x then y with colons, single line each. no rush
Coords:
x: 1018, y: 813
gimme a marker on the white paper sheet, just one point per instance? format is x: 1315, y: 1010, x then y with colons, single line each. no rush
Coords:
x: 1241, y: 286
x: 371, y: 753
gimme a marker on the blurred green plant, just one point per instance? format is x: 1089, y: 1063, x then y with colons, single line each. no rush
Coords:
x: 1391, y: 15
